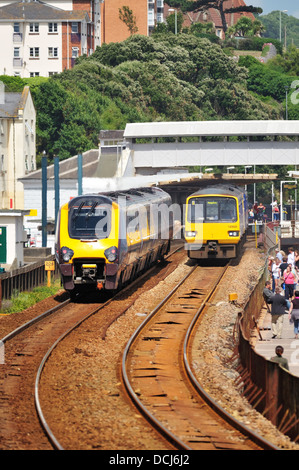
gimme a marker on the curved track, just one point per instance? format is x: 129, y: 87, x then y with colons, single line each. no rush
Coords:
x: 27, y: 349
x: 158, y: 376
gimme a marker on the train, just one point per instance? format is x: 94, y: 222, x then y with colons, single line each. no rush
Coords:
x: 216, y: 222
x: 103, y: 241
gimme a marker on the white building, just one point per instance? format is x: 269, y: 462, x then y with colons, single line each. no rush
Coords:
x: 42, y: 40
x: 17, y: 145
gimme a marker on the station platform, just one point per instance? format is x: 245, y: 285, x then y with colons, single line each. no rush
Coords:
x: 265, y: 345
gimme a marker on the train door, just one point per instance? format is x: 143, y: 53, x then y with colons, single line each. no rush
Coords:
x: 3, y: 247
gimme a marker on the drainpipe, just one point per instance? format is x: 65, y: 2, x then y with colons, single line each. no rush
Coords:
x: 56, y: 182
x: 44, y: 199
x: 80, y: 174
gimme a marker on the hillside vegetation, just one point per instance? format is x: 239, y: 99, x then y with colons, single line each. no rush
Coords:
x: 164, y: 77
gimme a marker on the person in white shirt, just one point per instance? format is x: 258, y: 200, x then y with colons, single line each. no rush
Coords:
x: 291, y: 256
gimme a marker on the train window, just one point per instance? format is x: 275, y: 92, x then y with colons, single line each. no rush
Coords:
x: 212, y: 209
x: 90, y: 219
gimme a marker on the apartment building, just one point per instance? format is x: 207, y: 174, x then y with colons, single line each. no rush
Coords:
x: 17, y: 145
x: 42, y: 39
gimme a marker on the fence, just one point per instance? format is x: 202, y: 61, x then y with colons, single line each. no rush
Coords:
x: 24, y: 279
x: 271, y: 390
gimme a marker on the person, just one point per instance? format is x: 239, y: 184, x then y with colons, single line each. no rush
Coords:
x: 284, y: 264
x: 296, y: 259
x: 276, y: 213
x: 294, y: 313
x: 278, y: 254
x: 279, y: 359
x: 267, y: 294
x: 278, y: 307
x: 291, y: 256
x: 276, y: 272
x: 260, y: 211
x: 290, y: 280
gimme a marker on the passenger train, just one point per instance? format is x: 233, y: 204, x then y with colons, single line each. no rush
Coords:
x: 216, y: 222
x: 105, y: 240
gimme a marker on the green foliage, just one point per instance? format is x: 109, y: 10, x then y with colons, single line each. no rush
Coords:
x: 272, y: 25
x: 162, y: 77
x: 21, y: 300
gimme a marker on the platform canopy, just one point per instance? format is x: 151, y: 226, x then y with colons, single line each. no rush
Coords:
x: 211, y: 129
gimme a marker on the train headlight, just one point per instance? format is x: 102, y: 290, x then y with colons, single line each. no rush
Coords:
x: 233, y: 234
x: 190, y: 234
x: 66, y: 253
x: 111, y: 254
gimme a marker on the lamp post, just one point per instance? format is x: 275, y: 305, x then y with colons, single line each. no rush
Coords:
x: 284, y: 11
x: 247, y: 168
x: 281, y: 196
x: 287, y: 114
x: 175, y: 20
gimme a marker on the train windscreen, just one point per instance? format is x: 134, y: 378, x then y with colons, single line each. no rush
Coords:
x: 90, y: 219
x: 212, y: 209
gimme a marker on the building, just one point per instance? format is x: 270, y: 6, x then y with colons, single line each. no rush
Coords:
x: 213, y: 15
x: 42, y: 39
x: 115, y: 30
x: 17, y: 145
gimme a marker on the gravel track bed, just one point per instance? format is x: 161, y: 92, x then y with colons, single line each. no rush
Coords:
x: 86, y: 408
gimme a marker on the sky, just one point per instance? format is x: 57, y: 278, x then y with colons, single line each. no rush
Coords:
x: 271, y: 5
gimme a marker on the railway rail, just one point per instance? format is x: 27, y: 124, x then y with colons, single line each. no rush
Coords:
x: 20, y: 431
x: 27, y: 348
x: 157, y: 373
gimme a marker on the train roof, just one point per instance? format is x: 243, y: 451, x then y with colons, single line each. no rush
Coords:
x: 221, y: 190
x: 132, y: 196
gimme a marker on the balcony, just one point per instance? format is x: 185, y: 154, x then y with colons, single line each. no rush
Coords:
x: 17, y: 62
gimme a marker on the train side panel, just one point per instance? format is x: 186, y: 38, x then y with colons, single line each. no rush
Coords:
x: 90, y: 256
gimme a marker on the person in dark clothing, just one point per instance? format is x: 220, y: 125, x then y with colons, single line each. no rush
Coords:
x: 267, y: 293
x: 284, y: 264
x: 294, y: 313
x: 279, y: 359
x: 278, y: 307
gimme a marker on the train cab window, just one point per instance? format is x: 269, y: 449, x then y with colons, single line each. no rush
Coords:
x: 90, y: 219
x: 212, y: 209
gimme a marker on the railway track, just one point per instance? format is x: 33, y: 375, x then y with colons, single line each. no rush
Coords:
x: 27, y: 348
x: 27, y: 354
x: 157, y: 373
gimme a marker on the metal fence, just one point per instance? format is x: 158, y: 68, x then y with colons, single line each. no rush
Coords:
x: 24, y: 279
x: 270, y: 389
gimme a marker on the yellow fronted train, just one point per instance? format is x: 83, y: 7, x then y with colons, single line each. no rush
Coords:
x: 105, y: 240
x: 216, y: 222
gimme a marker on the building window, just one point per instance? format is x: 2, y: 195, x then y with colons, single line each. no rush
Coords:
x: 34, y: 74
x: 34, y: 27
x: 52, y: 27
x: 75, y: 28
x: 75, y: 52
x: 2, y: 163
x: 34, y: 52
x: 16, y: 52
x: 52, y: 73
x: 52, y: 52
x: 16, y: 27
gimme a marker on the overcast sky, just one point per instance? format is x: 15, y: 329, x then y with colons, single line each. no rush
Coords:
x: 271, y: 5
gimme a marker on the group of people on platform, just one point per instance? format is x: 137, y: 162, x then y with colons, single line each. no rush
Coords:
x: 258, y: 212
x: 281, y: 291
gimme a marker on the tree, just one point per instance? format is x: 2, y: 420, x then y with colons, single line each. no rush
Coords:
x: 201, y: 5
x: 126, y: 15
x: 246, y: 27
